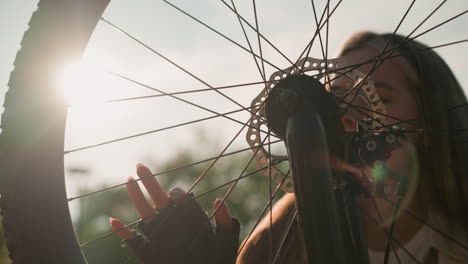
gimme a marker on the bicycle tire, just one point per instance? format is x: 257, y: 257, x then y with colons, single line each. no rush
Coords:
x: 36, y: 218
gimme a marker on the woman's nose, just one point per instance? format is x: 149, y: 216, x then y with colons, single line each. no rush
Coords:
x: 349, y: 124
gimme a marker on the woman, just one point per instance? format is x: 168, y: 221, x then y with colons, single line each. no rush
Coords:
x: 416, y: 85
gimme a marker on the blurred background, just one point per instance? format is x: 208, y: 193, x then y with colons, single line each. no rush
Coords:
x: 90, y: 82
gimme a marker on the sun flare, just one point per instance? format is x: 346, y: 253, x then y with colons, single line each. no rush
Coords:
x: 82, y: 84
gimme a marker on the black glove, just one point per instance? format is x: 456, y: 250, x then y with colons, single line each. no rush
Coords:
x: 182, y: 233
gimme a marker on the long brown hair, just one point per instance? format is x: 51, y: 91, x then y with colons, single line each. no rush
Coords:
x: 443, y: 114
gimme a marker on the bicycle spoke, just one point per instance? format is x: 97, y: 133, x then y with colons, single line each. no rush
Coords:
x: 433, y: 47
x: 167, y: 171
x: 262, y: 74
x: 350, y: 68
x: 151, y: 131
x: 183, y: 92
x: 199, y: 178
x: 435, y: 130
x: 379, y: 214
x: 375, y: 59
x: 174, y: 64
x: 362, y: 110
x: 419, y: 219
x: 438, y: 112
x: 229, y: 144
x: 221, y: 34
x: 391, y: 230
x: 458, y: 138
x: 269, y: 131
x: 180, y: 99
x: 231, y: 188
x: 407, y: 39
x: 327, y: 31
x: 324, y: 48
x: 355, y: 106
x: 140, y: 220
x: 237, y: 179
x: 83, y: 245
x: 326, y: 40
x: 183, y: 100
x: 308, y: 47
x: 393, y: 239
x: 349, y: 105
x: 129, y: 259
x: 235, y: 182
x: 263, y: 212
x: 259, y: 42
x: 409, y: 121
x: 439, y: 25
x: 283, y: 240
x: 317, y: 24
x: 263, y: 37
x: 425, y: 19
x: 376, y: 65
x: 270, y: 194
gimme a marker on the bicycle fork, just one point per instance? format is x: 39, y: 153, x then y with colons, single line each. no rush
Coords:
x: 300, y: 111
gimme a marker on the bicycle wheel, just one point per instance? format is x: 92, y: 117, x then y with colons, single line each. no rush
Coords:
x: 34, y: 123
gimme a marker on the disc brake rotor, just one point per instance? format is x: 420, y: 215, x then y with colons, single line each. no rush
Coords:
x: 318, y: 68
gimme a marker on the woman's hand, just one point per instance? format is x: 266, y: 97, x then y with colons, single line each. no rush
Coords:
x: 175, y: 229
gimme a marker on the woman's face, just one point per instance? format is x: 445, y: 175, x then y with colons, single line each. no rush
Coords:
x: 391, y: 83
x: 394, y: 90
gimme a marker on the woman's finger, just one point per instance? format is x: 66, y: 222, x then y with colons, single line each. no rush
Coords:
x: 145, y: 210
x: 124, y: 232
x: 222, y: 216
x: 156, y: 192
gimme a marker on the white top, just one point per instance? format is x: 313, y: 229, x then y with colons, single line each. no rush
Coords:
x: 419, y: 246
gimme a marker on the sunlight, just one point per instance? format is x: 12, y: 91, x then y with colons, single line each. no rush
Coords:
x: 82, y: 84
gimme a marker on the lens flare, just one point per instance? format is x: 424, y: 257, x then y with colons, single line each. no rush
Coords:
x: 82, y: 83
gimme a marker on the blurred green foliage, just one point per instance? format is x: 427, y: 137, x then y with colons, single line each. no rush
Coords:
x: 246, y: 202
x: 3, y: 250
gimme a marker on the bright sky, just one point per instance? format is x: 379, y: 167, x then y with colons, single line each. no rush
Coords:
x: 208, y: 56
